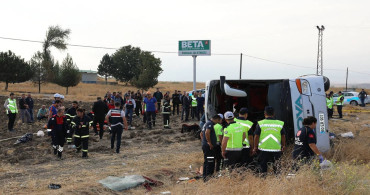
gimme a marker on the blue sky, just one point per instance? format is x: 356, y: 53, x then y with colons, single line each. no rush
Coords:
x: 283, y: 31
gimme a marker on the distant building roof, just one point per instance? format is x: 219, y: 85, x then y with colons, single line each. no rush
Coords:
x: 89, y: 71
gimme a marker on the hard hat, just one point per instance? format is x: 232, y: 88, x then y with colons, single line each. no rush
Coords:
x: 61, y: 96
x: 57, y: 95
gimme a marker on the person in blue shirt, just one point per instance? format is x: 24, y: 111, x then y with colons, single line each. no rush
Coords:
x: 150, y: 103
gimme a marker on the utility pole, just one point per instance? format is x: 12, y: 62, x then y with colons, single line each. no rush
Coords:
x: 319, y: 69
x: 347, y: 79
x: 241, y: 63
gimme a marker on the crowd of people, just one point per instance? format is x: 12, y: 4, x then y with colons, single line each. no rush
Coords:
x: 112, y: 113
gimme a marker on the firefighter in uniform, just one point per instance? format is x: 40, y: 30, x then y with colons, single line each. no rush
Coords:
x: 116, y: 117
x: 71, y: 114
x: 58, y: 125
x: 247, y: 125
x: 166, y: 111
x: 232, y: 142
x: 80, y: 125
x: 270, y: 140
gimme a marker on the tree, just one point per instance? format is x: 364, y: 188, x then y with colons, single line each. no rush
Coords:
x: 68, y: 74
x: 14, y: 69
x: 126, y: 62
x: 55, y: 37
x: 40, y: 73
x: 105, y: 67
x: 149, y: 70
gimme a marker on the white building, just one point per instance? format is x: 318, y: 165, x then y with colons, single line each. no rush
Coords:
x: 89, y: 76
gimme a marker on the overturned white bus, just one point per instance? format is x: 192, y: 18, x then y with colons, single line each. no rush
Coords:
x: 292, y: 100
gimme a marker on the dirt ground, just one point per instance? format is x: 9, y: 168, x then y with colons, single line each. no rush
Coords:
x: 160, y: 154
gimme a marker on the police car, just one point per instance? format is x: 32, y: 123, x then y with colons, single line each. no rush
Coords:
x: 350, y: 98
x: 292, y: 99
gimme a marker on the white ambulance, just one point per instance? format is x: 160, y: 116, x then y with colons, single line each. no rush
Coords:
x: 292, y: 99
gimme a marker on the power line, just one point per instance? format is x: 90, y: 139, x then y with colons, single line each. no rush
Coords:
x: 172, y: 52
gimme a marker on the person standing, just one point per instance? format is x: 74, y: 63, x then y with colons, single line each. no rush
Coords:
x: 58, y: 125
x: 115, y: 118
x: 339, y: 102
x: 30, y: 104
x: 329, y: 104
x: 81, y: 124
x: 362, y: 95
x: 200, y: 105
x: 11, y: 110
x: 185, y: 107
x: 150, y: 103
x: 138, y: 98
x: 53, y: 109
x: 194, y: 104
x: 305, y: 148
x: 166, y: 112
x: 71, y: 114
x: 158, y: 96
x: 219, y: 134
x: 24, y: 110
x: 270, y: 140
x: 209, y: 141
x: 100, y: 109
x: 130, y: 106
x: 175, y: 102
x: 232, y: 142
x: 247, y: 143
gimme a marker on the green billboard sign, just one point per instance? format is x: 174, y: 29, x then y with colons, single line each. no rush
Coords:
x: 195, y: 48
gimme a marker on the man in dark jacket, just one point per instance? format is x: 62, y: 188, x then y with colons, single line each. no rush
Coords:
x: 362, y: 95
x: 158, y: 96
x: 29, y: 102
x: 185, y: 107
x: 23, y: 106
x: 175, y: 102
x: 100, y: 109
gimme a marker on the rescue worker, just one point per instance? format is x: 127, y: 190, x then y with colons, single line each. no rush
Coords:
x: 166, y: 112
x: 194, y: 106
x: 115, y: 118
x: 340, y: 104
x: 71, y: 114
x: 232, y: 142
x: 100, y: 109
x: 247, y: 143
x: 329, y: 104
x: 209, y: 141
x: 219, y: 134
x: 269, y: 138
x: 58, y: 125
x: 305, y: 148
x: 80, y: 125
x: 150, y: 105
x: 11, y: 110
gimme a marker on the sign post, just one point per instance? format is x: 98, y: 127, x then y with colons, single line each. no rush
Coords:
x: 195, y: 48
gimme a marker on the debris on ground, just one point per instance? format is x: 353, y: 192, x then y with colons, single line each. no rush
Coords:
x: 366, y: 125
x: 54, y: 186
x: 40, y: 133
x: 348, y: 135
x: 25, y: 138
x: 193, y: 129
x: 166, y: 192
x: 128, y: 182
x: 326, y: 165
x: 332, y: 135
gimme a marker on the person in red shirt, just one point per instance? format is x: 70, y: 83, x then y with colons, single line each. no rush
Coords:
x: 58, y: 125
x: 111, y: 105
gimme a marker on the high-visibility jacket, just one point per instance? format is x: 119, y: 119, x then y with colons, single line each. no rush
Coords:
x: 339, y: 101
x: 270, y: 138
x: 193, y: 101
x: 218, y: 131
x: 12, y: 105
x: 329, y: 102
x: 246, y: 125
x: 235, y: 134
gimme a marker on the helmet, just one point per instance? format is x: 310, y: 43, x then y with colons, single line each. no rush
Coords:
x: 57, y: 95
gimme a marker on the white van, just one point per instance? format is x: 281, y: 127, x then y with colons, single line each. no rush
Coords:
x: 292, y: 99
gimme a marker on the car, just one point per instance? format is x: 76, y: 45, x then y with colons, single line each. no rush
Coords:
x: 350, y: 98
x: 202, y: 91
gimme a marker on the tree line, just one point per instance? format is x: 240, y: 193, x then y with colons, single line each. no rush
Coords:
x: 128, y: 64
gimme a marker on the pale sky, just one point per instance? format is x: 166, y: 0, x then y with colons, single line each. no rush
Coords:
x: 283, y: 31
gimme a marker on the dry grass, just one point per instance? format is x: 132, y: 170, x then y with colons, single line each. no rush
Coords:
x: 89, y: 92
